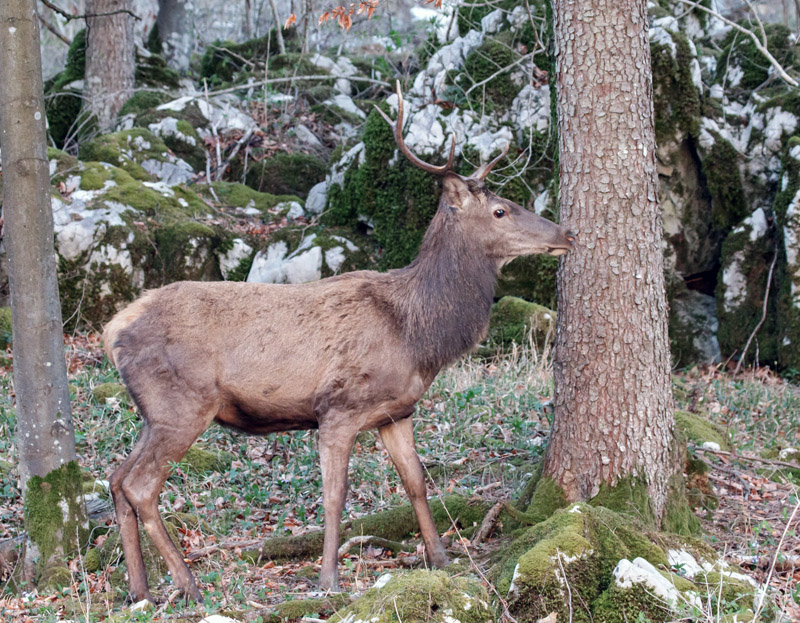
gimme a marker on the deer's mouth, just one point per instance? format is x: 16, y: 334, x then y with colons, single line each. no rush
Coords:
x: 556, y: 251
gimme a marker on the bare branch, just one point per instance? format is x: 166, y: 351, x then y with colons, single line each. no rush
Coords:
x: 759, y: 45
x: 69, y: 16
x: 54, y: 30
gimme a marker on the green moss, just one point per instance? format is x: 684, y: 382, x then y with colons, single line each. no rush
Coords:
x: 678, y: 516
x: 126, y: 150
x: 241, y: 196
x: 431, y: 596
x: 740, y: 50
x: 731, y: 590
x: 724, y: 183
x: 547, y: 498
x: 298, y: 608
x: 152, y: 71
x: 515, y: 320
x: 482, y: 63
x: 143, y: 101
x: 636, y: 603
x: 199, y: 460
x: 399, y: 200
x: 66, y: 122
x: 629, y: 495
x: 676, y: 99
x: 286, y: 174
x: 700, y: 430
x: 91, y: 560
x: 57, y: 534
x: 330, y: 113
x: 94, y: 176
x: 738, y: 318
x: 5, y: 327
x: 54, y: 576
x: 223, y: 59
x: 787, y: 277
x: 104, y: 391
x: 583, y: 543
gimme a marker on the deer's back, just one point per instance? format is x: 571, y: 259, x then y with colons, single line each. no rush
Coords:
x: 275, y: 357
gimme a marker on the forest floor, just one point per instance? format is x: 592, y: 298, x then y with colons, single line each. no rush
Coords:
x: 481, y: 429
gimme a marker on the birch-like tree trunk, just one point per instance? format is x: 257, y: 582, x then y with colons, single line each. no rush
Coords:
x: 176, y: 32
x: 613, y: 400
x: 110, y: 59
x: 48, y: 470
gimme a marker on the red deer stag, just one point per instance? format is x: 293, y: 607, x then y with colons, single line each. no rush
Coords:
x: 345, y: 354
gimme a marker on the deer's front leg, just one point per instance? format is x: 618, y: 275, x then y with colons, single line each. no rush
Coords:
x: 398, y: 438
x: 335, y: 446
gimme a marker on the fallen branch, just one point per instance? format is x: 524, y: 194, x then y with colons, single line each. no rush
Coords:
x: 213, y: 549
x: 757, y: 459
x: 61, y: 36
x: 488, y: 523
x: 393, y: 524
x: 242, y: 87
x: 375, y: 541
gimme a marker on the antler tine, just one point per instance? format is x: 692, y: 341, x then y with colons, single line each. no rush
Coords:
x: 397, y: 126
x: 484, y: 170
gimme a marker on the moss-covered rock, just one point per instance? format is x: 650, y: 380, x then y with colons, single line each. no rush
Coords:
x: 700, y: 430
x: 787, y: 211
x: 286, y: 174
x: 422, y: 595
x: 233, y: 194
x: 200, y: 460
x: 514, y: 320
x: 481, y: 65
x: 397, y: 200
x: 140, y: 153
x: 116, y: 235
x: 102, y: 392
x: 676, y: 96
x: 746, y: 257
x: 743, y: 67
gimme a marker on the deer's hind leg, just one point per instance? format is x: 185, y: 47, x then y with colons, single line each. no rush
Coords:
x: 171, y: 430
x: 128, y: 524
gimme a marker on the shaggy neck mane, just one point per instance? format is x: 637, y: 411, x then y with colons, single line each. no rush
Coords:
x: 443, y: 298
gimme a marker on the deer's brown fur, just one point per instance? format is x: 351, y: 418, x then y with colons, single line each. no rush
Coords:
x: 345, y: 354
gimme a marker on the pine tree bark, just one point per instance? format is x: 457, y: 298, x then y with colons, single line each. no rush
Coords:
x: 613, y: 400
x: 175, y: 29
x: 45, y: 435
x: 110, y: 59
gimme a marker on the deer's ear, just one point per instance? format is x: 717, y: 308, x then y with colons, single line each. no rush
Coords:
x: 455, y: 190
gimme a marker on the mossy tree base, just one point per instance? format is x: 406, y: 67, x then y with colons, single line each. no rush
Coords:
x: 56, y: 522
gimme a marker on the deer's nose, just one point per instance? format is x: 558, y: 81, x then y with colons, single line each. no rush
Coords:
x: 571, y: 237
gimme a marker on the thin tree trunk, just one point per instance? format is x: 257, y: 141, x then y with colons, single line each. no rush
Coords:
x: 45, y: 435
x: 278, y: 27
x: 613, y: 401
x: 110, y: 59
x: 176, y: 31
x: 248, y: 27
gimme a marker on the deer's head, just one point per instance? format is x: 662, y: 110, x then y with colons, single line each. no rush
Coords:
x: 504, y: 229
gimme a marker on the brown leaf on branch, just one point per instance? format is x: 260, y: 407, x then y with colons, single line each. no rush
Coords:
x: 290, y: 21
x: 436, y: 3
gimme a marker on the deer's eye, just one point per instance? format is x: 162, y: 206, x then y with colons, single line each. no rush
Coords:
x: 499, y: 213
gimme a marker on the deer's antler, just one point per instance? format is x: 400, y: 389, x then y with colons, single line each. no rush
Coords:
x: 483, y: 170
x: 397, y: 126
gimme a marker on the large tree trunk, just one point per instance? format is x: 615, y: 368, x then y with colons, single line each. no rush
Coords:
x: 110, y: 59
x: 175, y: 30
x: 613, y: 401
x: 45, y: 436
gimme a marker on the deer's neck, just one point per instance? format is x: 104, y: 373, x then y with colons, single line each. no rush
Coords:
x: 445, y: 295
